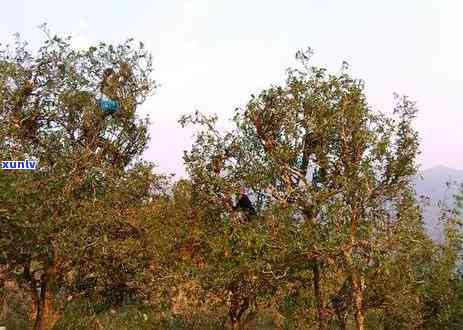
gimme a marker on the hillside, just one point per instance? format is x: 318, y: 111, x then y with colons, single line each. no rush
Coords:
x: 433, y: 183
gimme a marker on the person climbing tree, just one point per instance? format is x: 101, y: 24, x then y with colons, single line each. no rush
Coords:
x: 21, y: 95
x: 115, y: 89
x: 245, y: 204
x: 24, y: 108
x: 107, y: 101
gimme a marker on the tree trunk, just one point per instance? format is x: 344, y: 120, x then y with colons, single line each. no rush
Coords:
x: 240, y: 302
x: 341, y: 300
x: 34, y: 310
x: 46, y: 315
x: 238, y: 307
x: 357, y: 294
x: 41, y: 319
x: 2, y: 299
x: 318, y: 295
x: 357, y: 290
x: 355, y: 275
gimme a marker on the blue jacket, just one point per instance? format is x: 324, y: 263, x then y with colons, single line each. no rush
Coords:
x: 108, y: 105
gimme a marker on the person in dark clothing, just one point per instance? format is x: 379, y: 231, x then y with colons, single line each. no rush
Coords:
x: 244, y: 204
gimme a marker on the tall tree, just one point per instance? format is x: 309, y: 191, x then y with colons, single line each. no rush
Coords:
x: 315, y: 148
x: 73, y: 219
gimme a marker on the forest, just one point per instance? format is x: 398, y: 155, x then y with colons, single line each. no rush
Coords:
x: 302, y: 214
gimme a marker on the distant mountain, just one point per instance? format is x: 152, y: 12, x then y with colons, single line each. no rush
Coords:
x: 434, y: 184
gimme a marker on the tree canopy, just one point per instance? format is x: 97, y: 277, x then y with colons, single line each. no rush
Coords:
x: 335, y: 238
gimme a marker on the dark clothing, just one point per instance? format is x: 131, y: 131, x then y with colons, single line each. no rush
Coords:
x: 245, y: 204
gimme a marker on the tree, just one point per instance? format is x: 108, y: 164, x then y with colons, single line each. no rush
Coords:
x: 74, y: 219
x: 314, y: 148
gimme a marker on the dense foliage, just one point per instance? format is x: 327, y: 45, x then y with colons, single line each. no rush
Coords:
x: 95, y: 239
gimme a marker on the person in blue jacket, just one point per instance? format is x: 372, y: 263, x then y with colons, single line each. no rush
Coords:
x: 108, y: 104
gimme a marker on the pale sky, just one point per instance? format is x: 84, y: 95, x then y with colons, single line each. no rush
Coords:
x: 210, y: 55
